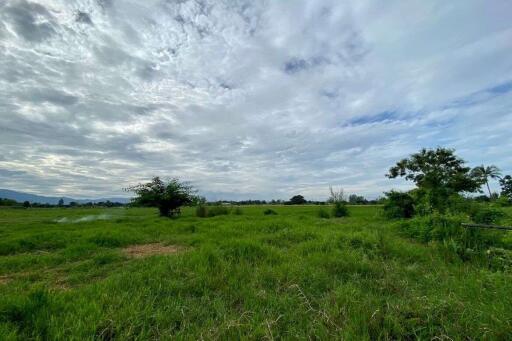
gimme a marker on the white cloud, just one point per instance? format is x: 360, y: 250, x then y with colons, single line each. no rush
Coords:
x: 247, y: 99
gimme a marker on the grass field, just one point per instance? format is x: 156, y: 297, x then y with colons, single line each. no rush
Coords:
x: 67, y: 274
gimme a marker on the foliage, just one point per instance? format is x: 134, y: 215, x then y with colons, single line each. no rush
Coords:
x: 438, y: 173
x: 398, y: 205
x: 269, y: 211
x: 434, y: 227
x: 340, y: 210
x: 336, y: 195
x: 167, y: 197
x: 337, y: 198
x: 217, y: 210
x: 238, y: 211
x: 26, y: 204
x: 499, y: 259
x: 322, y: 213
x: 297, y: 200
x: 484, y: 214
x: 8, y: 202
x: 506, y: 187
x: 355, y: 199
x: 201, y: 211
x: 483, y: 174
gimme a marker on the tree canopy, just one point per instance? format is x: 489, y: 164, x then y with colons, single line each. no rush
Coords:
x: 484, y: 173
x: 506, y: 187
x: 297, y: 200
x: 168, y: 197
x: 438, y: 173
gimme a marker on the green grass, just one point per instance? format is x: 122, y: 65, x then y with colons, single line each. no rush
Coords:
x: 293, y: 275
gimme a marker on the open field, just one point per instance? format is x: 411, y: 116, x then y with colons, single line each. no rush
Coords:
x: 75, y: 274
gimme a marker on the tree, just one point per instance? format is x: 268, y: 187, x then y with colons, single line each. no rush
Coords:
x: 506, y: 187
x: 168, y: 197
x: 61, y: 202
x: 26, y: 204
x: 485, y: 173
x: 297, y: 200
x: 438, y: 173
x: 337, y: 197
x: 355, y: 199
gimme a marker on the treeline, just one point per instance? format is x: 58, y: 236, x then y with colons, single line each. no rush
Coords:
x: 352, y: 200
x: 26, y: 204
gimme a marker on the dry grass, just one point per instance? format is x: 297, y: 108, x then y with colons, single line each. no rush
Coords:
x: 146, y: 250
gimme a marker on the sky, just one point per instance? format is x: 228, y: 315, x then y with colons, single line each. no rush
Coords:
x: 248, y: 99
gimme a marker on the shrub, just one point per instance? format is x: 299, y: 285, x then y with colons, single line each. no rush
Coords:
x: 217, y: 210
x: 399, y: 205
x: 339, y: 210
x: 201, y: 211
x: 503, y: 201
x: 499, y: 259
x: 269, y: 211
x: 322, y: 213
x: 238, y: 211
x: 487, y: 215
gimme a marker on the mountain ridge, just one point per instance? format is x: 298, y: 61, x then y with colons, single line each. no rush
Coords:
x: 53, y: 200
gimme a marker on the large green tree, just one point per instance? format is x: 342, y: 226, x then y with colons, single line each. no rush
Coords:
x: 484, y: 173
x: 438, y: 174
x: 168, y: 197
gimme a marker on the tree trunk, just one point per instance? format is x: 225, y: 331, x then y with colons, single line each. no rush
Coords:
x: 164, y: 211
x: 489, y: 189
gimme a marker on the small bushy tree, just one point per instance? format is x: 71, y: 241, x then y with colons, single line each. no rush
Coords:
x: 337, y: 198
x: 297, y: 200
x: 438, y: 174
x: 168, y: 197
x: 269, y: 211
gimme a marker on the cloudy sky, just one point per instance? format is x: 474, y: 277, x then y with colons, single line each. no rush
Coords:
x: 247, y: 99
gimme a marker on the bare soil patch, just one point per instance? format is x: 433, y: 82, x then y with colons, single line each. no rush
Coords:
x: 146, y: 250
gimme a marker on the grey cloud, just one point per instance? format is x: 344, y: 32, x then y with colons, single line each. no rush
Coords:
x: 83, y: 17
x: 50, y: 95
x: 22, y: 14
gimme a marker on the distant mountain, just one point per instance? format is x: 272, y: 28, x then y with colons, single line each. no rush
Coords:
x: 33, y: 198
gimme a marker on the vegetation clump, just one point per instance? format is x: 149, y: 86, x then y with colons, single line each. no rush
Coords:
x: 337, y: 198
x: 217, y: 210
x: 398, y: 205
x: 201, y: 211
x: 269, y: 211
x: 506, y: 188
x: 322, y: 213
x: 168, y: 197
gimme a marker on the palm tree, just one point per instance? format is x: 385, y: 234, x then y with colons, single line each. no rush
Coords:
x: 486, y: 173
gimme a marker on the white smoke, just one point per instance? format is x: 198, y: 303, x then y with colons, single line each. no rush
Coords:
x: 84, y: 219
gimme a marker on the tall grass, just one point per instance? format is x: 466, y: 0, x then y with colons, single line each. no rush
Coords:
x: 287, y: 276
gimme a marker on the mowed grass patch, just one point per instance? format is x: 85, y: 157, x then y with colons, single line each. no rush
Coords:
x: 290, y: 275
